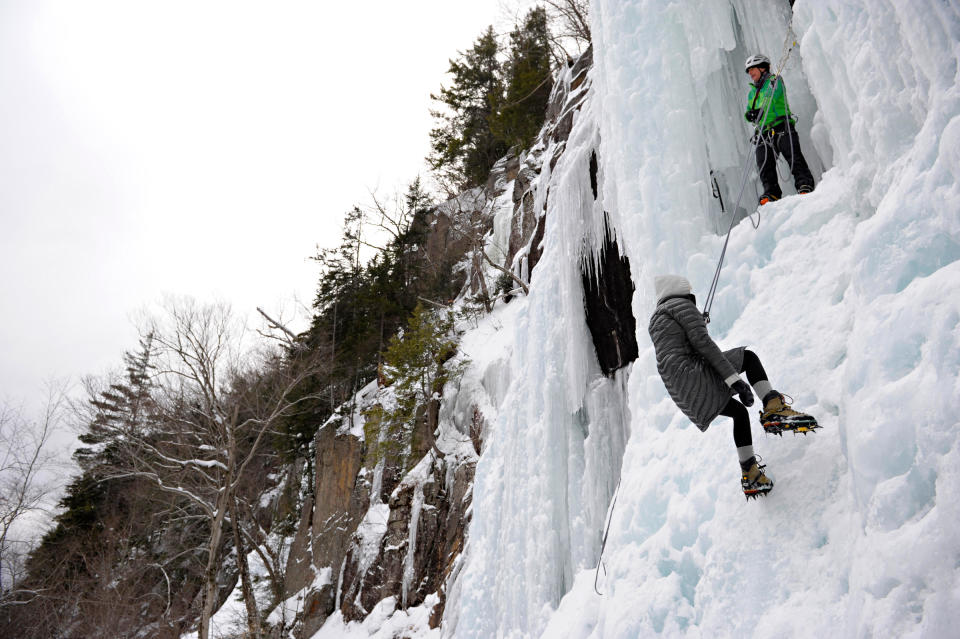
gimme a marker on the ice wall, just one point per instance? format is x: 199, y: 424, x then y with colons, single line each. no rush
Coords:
x: 850, y: 295
x: 555, y: 432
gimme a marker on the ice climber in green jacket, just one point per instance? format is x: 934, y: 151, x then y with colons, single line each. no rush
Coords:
x: 702, y: 380
x: 768, y: 109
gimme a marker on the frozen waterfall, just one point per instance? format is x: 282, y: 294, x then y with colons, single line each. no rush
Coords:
x: 850, y: 295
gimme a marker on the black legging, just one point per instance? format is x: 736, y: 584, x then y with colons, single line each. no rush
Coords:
x: 781, y: 139
x: 741, y: 419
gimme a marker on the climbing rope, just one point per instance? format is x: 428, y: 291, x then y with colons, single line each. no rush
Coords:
x: 606, y: 531
x: 788, y: 46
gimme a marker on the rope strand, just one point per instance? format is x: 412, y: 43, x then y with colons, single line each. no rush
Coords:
x: 788, y: 45
x: 606, y: 531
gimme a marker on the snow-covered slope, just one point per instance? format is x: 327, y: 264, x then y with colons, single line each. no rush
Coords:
x: 850, y: 295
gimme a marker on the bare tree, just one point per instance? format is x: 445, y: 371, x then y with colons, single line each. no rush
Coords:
x: 215, y: 407
x: 570, y: 20
x: 246, y: 584
x: 26, y: 483
x: 470, y: 223
x: 389, y: 216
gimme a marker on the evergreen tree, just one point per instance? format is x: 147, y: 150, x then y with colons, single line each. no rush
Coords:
x: 464, y: 145
x: 359, y: 306
x: 79, y: 565
x: 520, y: 108
x: 416, y: 356
x: 341, y: 317
x: 416, y: 364
x: 417, y: 199
x: 123, y: 409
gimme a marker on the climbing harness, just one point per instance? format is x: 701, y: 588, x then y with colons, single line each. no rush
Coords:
x: 606, y: 531
x: 788, y: 45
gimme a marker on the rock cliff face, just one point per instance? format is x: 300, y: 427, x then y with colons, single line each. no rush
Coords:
x: 372, y: 529
x: 379, y: 537
x: 329, y: 519
x: 529, y: 221
x: 607, y: 294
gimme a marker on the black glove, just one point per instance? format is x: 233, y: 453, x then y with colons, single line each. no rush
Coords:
x: 753, y: 115
x: 741, y: 388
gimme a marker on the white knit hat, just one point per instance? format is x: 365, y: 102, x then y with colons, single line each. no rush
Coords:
x: 670, y: 285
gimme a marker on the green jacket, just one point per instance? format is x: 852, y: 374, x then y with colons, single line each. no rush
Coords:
x: 777, y: 112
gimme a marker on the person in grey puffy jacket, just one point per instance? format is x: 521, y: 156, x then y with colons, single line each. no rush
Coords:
x: 702, y: 379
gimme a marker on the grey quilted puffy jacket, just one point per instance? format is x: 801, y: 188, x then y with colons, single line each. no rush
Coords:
x: 691, y: 364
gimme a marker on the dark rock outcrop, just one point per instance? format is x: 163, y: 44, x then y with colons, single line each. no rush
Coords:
x: 436, y: 496
x: 327, y: 523
x: 607, y: 297
x: 608, y: 294
x: 440, y: 524
x: 529, y: 225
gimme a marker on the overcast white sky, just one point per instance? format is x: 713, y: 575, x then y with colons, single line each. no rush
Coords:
x: 195, y: 147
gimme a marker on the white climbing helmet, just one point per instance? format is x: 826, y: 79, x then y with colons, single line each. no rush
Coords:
x: 757, y: 60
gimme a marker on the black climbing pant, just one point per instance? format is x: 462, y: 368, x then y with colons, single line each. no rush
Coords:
x: 741, y: 419
x: 782, y: 139
x: 753, y: 368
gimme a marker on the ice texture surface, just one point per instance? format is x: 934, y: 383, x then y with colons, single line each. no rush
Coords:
x: 850, y: 296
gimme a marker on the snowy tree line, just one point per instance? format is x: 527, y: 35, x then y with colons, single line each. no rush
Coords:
x: 179, y: 449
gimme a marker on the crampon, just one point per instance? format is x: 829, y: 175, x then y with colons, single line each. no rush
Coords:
x: 804, y: 426
x: 777, y: 417
x: 753, y: 494
x: 753, y: 481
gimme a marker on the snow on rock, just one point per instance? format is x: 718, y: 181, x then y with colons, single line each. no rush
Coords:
x: 369, y: 533
x: 385, y: 621
x: 849, y: 295
x: 289, y: 608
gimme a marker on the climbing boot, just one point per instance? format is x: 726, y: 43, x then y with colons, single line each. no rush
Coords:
x: 752, y: 479
x: 804, y: 189
x: 766, y: 197
x: 777, y: 416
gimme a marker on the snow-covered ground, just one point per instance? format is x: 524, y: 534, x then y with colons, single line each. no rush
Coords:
x: 850, y: 295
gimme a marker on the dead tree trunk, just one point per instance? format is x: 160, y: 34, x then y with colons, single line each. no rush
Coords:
x: 478, y: 269
x: 246, y: 585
